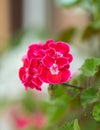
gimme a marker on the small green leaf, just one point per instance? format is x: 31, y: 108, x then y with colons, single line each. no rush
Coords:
x: 68, y: 126
x: 96, y: 112
x: 90, y: 67
x: 89, y: 96
x: 76, y: 125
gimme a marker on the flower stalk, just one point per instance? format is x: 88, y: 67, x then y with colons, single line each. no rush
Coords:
x: 73, y: 86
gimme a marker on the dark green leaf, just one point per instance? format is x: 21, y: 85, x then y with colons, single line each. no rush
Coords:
x: 67, y: 35
x: 90, y: 31
x: 90, y: 67
x: 68, y: 126
x: 89, y: 96
x: 96, y: 112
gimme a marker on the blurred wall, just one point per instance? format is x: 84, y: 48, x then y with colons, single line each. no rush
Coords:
x: 4, y: 23
x: 66, y: 18
x: 34, y: 13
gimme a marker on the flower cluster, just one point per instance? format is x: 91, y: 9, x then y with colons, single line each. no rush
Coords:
x: 48, y: 62
x: 37, y: 120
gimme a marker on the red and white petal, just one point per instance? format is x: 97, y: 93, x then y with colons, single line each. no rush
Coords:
x: 30, y: 85
x: 33, y: 66
x: 69, y: 57
x: 22, y: 74
x: 51, y: 52
x: 48, y: 77
x: 46, y: 45
x: 33, y: 50
x: 65, y: 75
x: 37, y: 82
x: 47, y: 61
x: 44, y: 75
x: 54, y: 78
x: 61, y: 62
x: 25, y: 61
x: 53, y: 45
x: 35, y: 46
x: 62, y: 47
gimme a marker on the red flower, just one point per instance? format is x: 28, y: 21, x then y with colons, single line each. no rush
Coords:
x: 56, y: 63
x: 36, y: 51
x: 22, y: 122
x: 49, y: 62
x: 59, y: 49
x: 39, y: 120
x: 29, y: 74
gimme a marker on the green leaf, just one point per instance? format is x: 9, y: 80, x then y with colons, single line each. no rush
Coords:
x: 91, y: 30
x: 76, y: 125
x: 58, y: 109
x: 66, y: 35
x: 79, y: 80
x: 90, y: 67
x: 28, y: 102
x: 73, y: 125
x: 96, y: 26
x: 96, y: 112
x: 67, y: 3
x: 89, y: 96
x: 68, y: 126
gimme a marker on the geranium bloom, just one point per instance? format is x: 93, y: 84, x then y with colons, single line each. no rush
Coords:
x: 29, y: 74
x: 56, y: 63
x: 48, y: 62
x: 36, y: 51
x: 20, y: 120
x: 39, y: 120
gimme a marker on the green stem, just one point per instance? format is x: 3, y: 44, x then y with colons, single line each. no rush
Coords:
x: 73, y: 86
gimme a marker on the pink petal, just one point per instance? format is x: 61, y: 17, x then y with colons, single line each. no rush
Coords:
x: 53, y: 45
x: 62, y: 47
x: 50, y: 52
x: 25, y: 61
x: 35, y: 46
x: 47, y: 61
x: 69, y: 57
x: 22, y: 74
x: 33, y: 66
x: 30, y: 85
x: 37, y: 82
x: 34, y: 51
x: 34, y: 63
x: 44, y: 74
x: 21, y: 123
x: 61, y: 62
x: 65, y: 75
x: 49, y: 41
x: 54, y: 78
x: 62, y: 77
x: 46, y: 45
x: 48, y: 77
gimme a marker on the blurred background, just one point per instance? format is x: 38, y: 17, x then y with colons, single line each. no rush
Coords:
x: 27, y: 21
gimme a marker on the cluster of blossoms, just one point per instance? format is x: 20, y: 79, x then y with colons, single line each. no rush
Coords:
x: 36, y: 120
x: 47, y: 62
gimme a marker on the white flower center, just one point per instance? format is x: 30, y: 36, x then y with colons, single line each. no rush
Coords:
x: 54, y: 69
x: 59, y: 54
